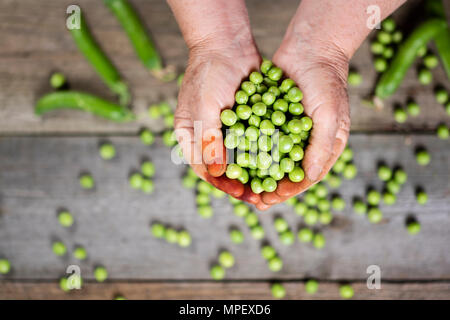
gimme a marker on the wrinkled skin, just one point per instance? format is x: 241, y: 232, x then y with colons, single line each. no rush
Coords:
x: 209, y: 85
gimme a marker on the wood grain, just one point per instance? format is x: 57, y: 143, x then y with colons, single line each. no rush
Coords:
x: 220, y: 290
x: 36, y: 43
x: 38, y: 176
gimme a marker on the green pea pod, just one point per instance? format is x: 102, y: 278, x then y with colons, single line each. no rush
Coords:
x: 407, y: 53
x: 85, y: 102
x: 101, y: 63
x: 442, y: 39
x: 141, y: 41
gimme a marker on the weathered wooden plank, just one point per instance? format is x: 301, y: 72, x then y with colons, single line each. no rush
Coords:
x: 39, y: 175
x: 35, y: 43
x: 220, y: 290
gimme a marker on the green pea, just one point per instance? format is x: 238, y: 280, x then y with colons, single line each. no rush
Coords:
x: 244, y: 144
x: 339, y: 166
x: 136, y: 180
x: 296, y: 108
x: 311, y: 286
x: 80, y: 253
x: 202, y: 199
x: 276, y: 92
x: 311, y: 217
x: 243, y: 178
x: 87, y: 181
x: 421, y: 197
x: 5, y: 266
x: 236, y: 236
x: 267, y: 127
x: 234, y: 201
x: 281, y: 105
x: 447, y: 108
x: 147, y: 186
x: 261, y: 88
x: 297, y: 174
x: 380, y: 64
x: 57, y: 80
x: 389, y: 198
x: 252, y: 133
x: 251, y: 219
x: 347, y: 154
x: 285, y: 144
x: 255, y: 98
x: 275, y: 172
x: 280, y: 225
x: 384, y: 173
x: 268, y: 98
x: 256, y: 77
x: 388, y: 52
x: 204, y: 187
x: 169, y: 138
x: 248, y: 87
x: 441, y: 96
x: 346, y: 291
x: 393, y: 187
x: 269, y: 82
x: 189, y: 182
x: 384, y: 37
x: 257, y: 232
x: 325, y: 217
x: 425, y: 76
x: 238, y: 129
x: 231, y: 141
x: 278, y: 118
x: 333, y: 180
x: 275, y: 73
x: 122, y: 297
x: 275, y: 264
x: 269, y: 184
x: 65, y: 219
x: 171, y: 235
x: 287, y: 237
x: 292, y: 201
x: 400, y: 176
x: 294, y: 94
x: 296, y: 153
x: 229, y: 117
x: 413, y: 109
x: 377, y: 47
x: 397, y: 36
x: 374, y: 215
x: 147, y: 137
x: 350, y: 171
x: 310, y: 199
x: 305, y: 235
x: 413, y: 227
x: 259, y: 109
x: 241, y: 97
x: 148, y: 169
x: 354, y: 78
x: 154, y: 111
x: 205, y: 211
x: 264, y: 160
x: 443, y: 132
x: 184, y: 239
x: 59, y: 248
x: 268, y: 252
x: 430, y: 61
x: 300, y: 208
x: 266, y: 65
x: 241, y: 209
x: 323, y: 205
x: 158, y: 230
x: 285, y: 129
x: 165, y: 108
x: 217, y: 272
x: 388, y: 25
x: 359, y: 207
x: 319, y: 241
x: 63, y: 284
x: 268, y: 115
x: 278, y: 291
x: 226, y: 259
x: 233, y: 171
x: 306, y: 124
x: 321, y: 190
x: 243, y: 112
x: 373, y: 197
x: 169, y: 120
x: 286, y: 84
x: 400, y: 115
x: 256, y: 185
x: 337, y: 203
x: 423, y: 158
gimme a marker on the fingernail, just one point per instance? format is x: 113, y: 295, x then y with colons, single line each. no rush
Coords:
x: 314, y: 172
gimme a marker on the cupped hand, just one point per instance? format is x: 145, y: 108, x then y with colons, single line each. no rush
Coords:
x: 320, y: 71
x: 209, y: 85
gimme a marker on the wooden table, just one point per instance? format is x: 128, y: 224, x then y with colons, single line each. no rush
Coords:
x: 41, y: 159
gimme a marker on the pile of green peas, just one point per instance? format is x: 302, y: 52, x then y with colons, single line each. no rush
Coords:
x: 181, y: 237
x: 251, y: 219
x: 266, y: 131
x: 384, y: 45
x: 143, y: 180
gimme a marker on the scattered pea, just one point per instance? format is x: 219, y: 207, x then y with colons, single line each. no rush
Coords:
x: 217, y: 272
x: 257, y: 232
x: 147, y: 137
x: 287, y: 237
x: 87, y: 181
x: 59, y: 248
x: 388, y: 25
x: 430, y: 61
x: 393, y: 186
x: 421, y: 197
x: 251, y: 219
x: 384, y: 173
x: 57, y: 80
x: 425, y: 76
x: 300, y: 208
x: 337, y: 203
x: 205, y: 211
x: 147, y: 186
x: 354, y: 78
x: 443, y: 132
x: 281, y: 225
x: 377, y: 47
x: 311, y: 217
x: 100, y: 274
x: 226, y: 259
x: 65, y: 218
x: 423, y: 158
x: 400, y: 176
x: 422, y: 51
x: 400, y: 115
x: 325, y: 217
x: 350, y: 171
x: 184, y: 239
x: 373, y: 197
x: 346, y: 291
x: 319, y: 241
x: 311, y: 286
x: 80, y: 253
x: 389, y: 198
x: 5, y: 266
x: 380, y: 64
x: 359, y: 207
x: 236, y: 236
x: 136, y: 180
x: 278, y: 291
x: 305, y: 235
x: 268, y: 252
x: 413, y: 227
x: 154, y: 112
x: 413, y: 109
x: 275, y: 264
x: 374, y: 215
x: 441, y: 96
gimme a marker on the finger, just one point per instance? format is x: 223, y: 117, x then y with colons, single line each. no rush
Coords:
x: 262, y: 206
x: 249, y: 196
x: 233, y: 187
x: 214, y: 152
